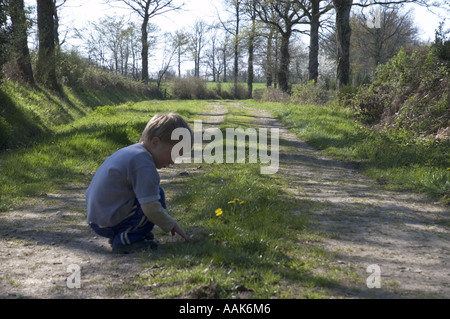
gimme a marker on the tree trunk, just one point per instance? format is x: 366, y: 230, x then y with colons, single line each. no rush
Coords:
x: 46, y: 64
x: 313, y: 68
x: 145, y: 46
x: 285, y: 59
x: 20, y: 42
x: 343, y: 34
x: 251, y: 53
x: 225, y: 65
x: 179, y: 61
x: 269, y: 64
x: 236, y: 48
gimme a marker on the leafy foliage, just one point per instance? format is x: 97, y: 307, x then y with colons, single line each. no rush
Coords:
x: 309, y: 93
x: 410, y: 92
x: 442, y: 43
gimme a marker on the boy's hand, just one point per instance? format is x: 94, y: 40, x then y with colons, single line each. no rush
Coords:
x: 178, y: 230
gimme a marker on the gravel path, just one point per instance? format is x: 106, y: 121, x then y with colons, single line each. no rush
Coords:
x: 401, y: 236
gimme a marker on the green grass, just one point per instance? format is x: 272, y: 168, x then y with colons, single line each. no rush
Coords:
x: 28, y: 112
x: 393, y: 158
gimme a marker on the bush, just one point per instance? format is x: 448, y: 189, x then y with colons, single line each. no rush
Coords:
x: 75, y: 71
x: 409, y: 92
x: 5, y: 133
x: 239, y: 91
x: 189, y: 89
x: 271, y: 95
x: 346, y: 94
x: 71, y: 68
x: 309, y: 93
x: 370, y: 104
x: 441, y: 45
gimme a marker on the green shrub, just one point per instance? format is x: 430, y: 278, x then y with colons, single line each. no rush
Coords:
x: 346, y: 94
x: 309, y: 93
x: 190, y: 88
x: 5, y: 133
x: 71, y: 68
x: 370, y: 104
x: 409, y: 92
x: 238, y: 91
x: 271, y: 94
x: 441, y: 44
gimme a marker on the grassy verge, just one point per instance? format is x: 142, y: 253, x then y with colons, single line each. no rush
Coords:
x: 393, y: 158
x: 28, y: 112
x: 70, y: 153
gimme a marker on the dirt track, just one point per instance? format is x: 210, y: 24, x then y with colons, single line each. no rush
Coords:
x: 404, y: 234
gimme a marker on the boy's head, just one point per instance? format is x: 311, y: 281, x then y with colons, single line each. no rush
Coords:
x: 157, y: 137
x: 162, y: 126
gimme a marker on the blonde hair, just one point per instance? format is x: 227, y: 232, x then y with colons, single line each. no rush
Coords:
x: 162, y: 126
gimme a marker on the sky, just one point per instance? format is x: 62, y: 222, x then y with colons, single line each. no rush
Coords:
x: 77, y: 12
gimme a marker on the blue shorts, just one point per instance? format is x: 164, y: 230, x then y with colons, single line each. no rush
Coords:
x: 132, y: 229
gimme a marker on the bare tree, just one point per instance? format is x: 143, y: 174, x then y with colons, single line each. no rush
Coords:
x: 113, y: 43
x: 197, y: 43
x: 224, y: 53
x: 343, y: 29
x: 232, y: 26
x: 57, y: 4
x: 283, y: 15
x: 147, y: 9
x: 212, y: 54
x: 373, y: 46
x: 180, y: 40
x: 270, y: 55
x: 251, y: 32
x: 21, y: 53
x: 169, y: 51
x: 46, y: 63
x: 314, y: 10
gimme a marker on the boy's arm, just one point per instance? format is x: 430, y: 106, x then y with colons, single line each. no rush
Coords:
x: 158, y: 216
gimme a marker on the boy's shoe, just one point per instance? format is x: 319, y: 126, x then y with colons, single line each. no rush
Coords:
x: 149, y: 236
x: 129, y: 249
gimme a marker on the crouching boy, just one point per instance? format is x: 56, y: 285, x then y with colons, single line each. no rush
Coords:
x: 124, y: 200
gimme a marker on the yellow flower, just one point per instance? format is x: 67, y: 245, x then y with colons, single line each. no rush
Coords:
x: 236, y: 199
x: 219, y: 211
x: 241, y: 203
x: 231, y: 202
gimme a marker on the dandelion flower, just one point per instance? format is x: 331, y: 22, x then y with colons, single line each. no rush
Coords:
x: 219, y: 211
x: 231, y: 202
x: 241, y: 203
